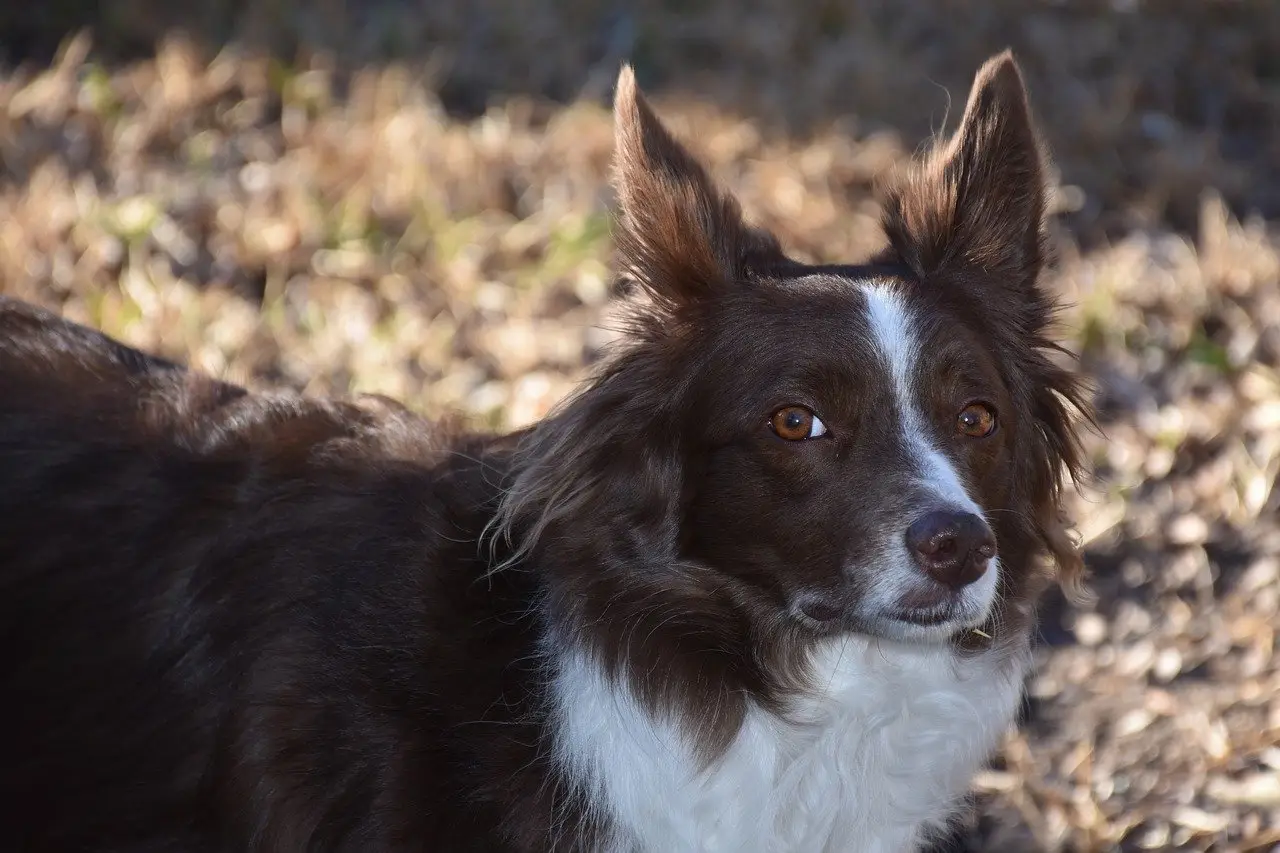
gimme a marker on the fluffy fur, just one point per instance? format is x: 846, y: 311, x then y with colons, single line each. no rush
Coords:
x: 652, y: 622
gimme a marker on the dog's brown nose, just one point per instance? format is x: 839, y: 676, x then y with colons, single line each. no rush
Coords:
x: 954, y: 548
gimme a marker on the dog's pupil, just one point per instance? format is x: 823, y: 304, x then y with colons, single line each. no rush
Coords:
x: 795, y: 420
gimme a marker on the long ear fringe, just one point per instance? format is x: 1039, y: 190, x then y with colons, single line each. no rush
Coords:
x: 1063, y: 411
x: 564, y: 463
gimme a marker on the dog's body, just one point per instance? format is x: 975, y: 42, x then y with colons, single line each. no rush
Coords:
x: 766, y: 584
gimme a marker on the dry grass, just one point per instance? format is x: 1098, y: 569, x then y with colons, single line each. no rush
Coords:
x: 326, y: 223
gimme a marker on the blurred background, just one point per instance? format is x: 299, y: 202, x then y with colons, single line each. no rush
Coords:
x: 409, y: 197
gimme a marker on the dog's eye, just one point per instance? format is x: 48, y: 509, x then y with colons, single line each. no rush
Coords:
x: 796, y: 423
x: 976, y: 420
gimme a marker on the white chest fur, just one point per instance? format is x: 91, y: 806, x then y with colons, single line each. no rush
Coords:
x: 870, y: 762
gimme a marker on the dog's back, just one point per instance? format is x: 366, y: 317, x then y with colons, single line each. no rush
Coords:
x: 215, y: 604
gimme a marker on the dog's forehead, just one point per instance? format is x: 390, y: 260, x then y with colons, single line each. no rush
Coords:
x: 867, y: 299
x: 883, y: 299
x: 882, y: 320
x: 849, y: 281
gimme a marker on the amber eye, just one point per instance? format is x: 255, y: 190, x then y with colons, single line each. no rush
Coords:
x: 796, y: 423
x: 976, y: 420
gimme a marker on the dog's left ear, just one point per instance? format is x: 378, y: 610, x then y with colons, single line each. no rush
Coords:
x: 977, y: 203
x: 679, y: 237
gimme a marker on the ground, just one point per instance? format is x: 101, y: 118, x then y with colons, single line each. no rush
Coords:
x: 410, y: 198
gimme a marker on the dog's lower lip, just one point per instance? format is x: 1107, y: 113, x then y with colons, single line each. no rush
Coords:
x: 932, y: 616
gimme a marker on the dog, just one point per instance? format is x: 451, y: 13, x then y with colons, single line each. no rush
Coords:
x: 767, y: 582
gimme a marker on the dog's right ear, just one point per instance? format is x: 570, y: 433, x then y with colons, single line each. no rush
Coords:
x: 679, y: 237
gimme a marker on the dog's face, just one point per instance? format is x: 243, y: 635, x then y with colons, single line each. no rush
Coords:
x: 855, y: 443
x: 873, y: 448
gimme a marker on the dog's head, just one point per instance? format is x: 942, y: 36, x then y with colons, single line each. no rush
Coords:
x: 874, y: 449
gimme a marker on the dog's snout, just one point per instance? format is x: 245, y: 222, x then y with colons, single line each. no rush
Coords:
x: 953, y: 548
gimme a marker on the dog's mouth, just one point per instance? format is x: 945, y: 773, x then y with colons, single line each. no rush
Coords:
x: 926, y: 618
x: 929, y: 625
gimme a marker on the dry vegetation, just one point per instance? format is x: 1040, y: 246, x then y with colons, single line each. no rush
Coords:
x: 422, y: 212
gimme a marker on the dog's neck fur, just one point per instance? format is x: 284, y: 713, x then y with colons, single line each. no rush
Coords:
x: 873, y: 757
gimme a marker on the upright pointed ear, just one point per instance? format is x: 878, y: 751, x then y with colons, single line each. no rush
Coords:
x: 977, y: 202
x: 679, y: 237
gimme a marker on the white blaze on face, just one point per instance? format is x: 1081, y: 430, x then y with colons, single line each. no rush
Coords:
x: 894, y: 333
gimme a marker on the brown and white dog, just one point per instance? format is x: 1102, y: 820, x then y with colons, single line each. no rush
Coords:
x: 766, y: 584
